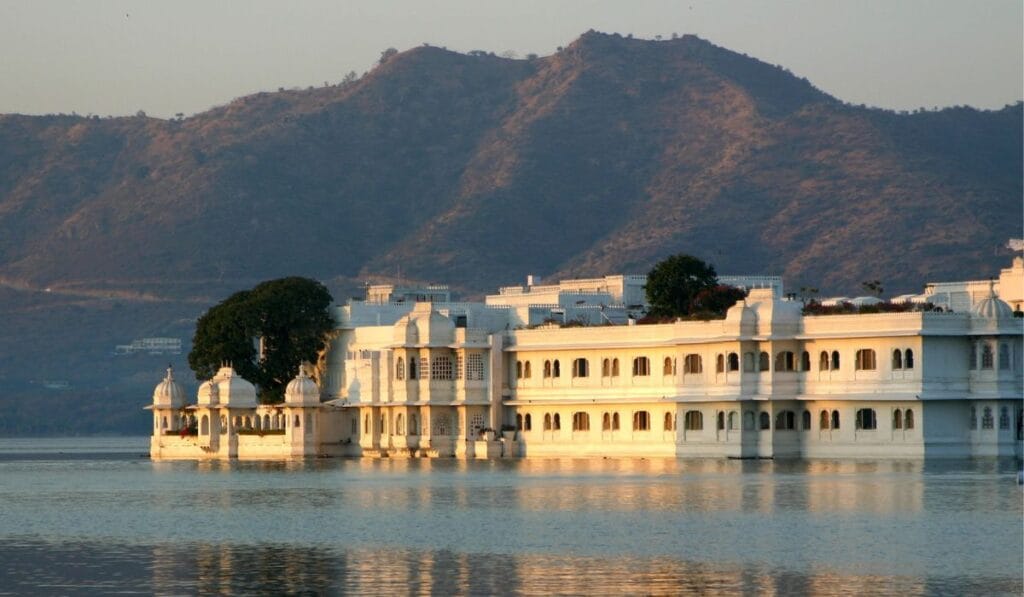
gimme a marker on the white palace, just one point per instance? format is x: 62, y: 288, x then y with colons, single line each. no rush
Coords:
x: 560, y: 370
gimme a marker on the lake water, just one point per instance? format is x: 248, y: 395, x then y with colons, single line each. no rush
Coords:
x: 90, y: 516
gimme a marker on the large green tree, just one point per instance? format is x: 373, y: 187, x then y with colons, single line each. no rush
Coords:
x: 289, y: 316
x: 674, y: 282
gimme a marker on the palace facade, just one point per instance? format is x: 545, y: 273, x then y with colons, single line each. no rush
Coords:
x: 562, y: 370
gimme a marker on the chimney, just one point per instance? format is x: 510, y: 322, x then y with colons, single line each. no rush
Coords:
x: 533, y: 280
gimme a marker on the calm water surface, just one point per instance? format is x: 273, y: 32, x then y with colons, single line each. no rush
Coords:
x: 89, y: 516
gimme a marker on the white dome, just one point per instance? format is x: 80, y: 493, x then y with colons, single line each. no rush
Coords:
x: 991, y: 307
x: 302, y: 391
x: 168, y: 393
x: 207, y: 394
x: 233, y: 390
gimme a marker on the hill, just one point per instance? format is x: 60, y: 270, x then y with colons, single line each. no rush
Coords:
x: 476, y: 170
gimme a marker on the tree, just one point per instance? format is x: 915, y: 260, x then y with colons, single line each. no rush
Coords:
x: 715, y: 301
x: 387, y: 55
x: 674, y: 282
x: 288, y: 317
x: 873, y: 286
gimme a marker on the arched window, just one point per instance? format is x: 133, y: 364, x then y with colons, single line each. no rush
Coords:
x: 823, y: 420
x: 865, y: 360
x: 519, y: 422
x: 733, y: 420
x: 366, y: 424
x: 987, y: 422
x: 866, y: 419
x: 734, y: 361
x: 641, y: 367
x: 765, y: 420
x: 667, y: 368
x: 720, y: 426
x: 556, y: 369
x: 692, y: 364
x: 400, y: 369
x: 297, y: 422
x: 908, y: 359
x: 785, y: 361
x: 986, y: 356
x: 897, y: 419
x: 556, y: 423
x: 785, y: 420
x: 615, y: 421
x: 527, y: 373
x: 763, y: 361
x: 641, y: 420
x: 835, y: 360
x: 694, y: 420
x: 547, y: 421
x: 400, y: 424
x: 806, y: 422
x: 805, y: 361
x: 606, y: 368
x: 1004, y: 418
x: 441, y: 368
x: 823, y: 361
x: 897, y: 359
x: 973, y: 423
x: 1004, y: 356
x: 748, y: 362
x: 258, y: 422
x: 204, y: 425
x: 606, y: 421
x: 580, y: 421
x: 412, y: 368
x: 580, y: 368
x: 519, y: 369
x: 668, y: 423
x: 720, y: 363
x: 908, y: 419
x: 384, y: 425
x: 615, y: 367
x: 528, y: 422
x: 163, y: 423
x: 835, y: 419
x: 748, y: 420
x: 414, y: 425
x: 547, y: 369
x: 266, y: 421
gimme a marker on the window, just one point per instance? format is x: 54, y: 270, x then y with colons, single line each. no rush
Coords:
x: 458, y: 366
x: 580, y: 368
x: 1004, y: 418
x: 694, y: 420
x: 805, y: 361
x: 400, y: 425
x: 528, y: 422
x: 606, y: 368
x: 412, y: 368
x: 986, y: 356
x: 785, y: 361
x: 692, y: 364
x: 785, y: 420
x: 823, y: 420
x: 763, y: 361
x: 733, y: 420
x: 606, y: 421
x: 908, y: 359
x: 734, y: 361
x: 897, y: 419
x: 748, y: 362
x: 441, y: 368
x: 668, y: 366
x: 475, y: 367
x: 973, y: 358
x: 806, y: 420
x: 748, y: 420
x: 556, y: 368
x: 908, y: 419
x: 720, y: 364
x: 400, y: 369
x: 866, y: 419
x: 765, y: 421
x: 720, y: 423
x: 547, y: 369
x: 669, y: 423
x: 835, y: 360
x: 973, y: 423
x: 823, y: 361
x: 519, y: 369
x: 556, y: 422
x: 424, y: 368
x: 580, y: 421
x: 615, y: 367
x: 615, y: 421
x: 366, y: 424
x: 414, y: 425
x: 897, y: 359
x: 519, y: 422
x: 865, y: 360
x: 641, y: 420
x: 527, y: 373
x: 1004, y: 356
x: 835, y: 419
x: 987, y: 422
x: 641, y: 367
x: 547, y: 421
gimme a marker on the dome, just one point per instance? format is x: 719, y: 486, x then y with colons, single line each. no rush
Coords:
x: 991, y: 307
x: 302, y: 391
x: 233, y: 390
x: 207, y: 395
x: 168, y: 393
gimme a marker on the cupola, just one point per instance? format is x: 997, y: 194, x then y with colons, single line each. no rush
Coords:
x: 302, y: 391
x: 991, y: 307
x: 168, y: 393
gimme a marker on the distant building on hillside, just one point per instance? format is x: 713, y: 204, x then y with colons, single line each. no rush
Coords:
x: 152, y: 346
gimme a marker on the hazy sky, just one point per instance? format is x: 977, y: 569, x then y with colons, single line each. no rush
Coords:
x: 120, y: 56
